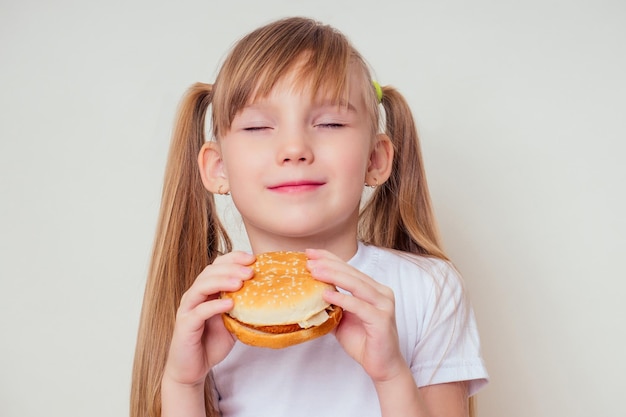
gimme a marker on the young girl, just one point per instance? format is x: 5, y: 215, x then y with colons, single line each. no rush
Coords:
x: 296, y: 137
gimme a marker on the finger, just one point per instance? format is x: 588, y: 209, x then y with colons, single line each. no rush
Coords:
x: 339, y: 273
x: 194, y: 320
x: 212, y: 280
x: 366, y: 312
x: 237, y: 257
x: 209, y: 309
x: 322, y: 258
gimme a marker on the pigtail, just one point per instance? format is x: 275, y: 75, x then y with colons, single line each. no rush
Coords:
x: 399, y: 214
x: 189, y: 237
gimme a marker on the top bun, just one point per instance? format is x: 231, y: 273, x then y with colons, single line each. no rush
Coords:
x: 282, y: 291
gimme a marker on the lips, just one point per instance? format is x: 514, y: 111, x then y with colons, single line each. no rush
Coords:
x: 296, y: 186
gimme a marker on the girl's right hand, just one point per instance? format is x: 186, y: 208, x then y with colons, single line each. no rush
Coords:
x: 200, y: 340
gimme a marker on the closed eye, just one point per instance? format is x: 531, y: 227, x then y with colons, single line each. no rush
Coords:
x: 331, y: 125
x: 255, y: 128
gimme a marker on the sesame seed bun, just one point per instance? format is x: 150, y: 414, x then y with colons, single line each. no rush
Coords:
x: 281, y: 305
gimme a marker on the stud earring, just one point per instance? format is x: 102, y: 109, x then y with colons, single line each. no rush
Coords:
x: 220, y: 192
x: 372, y: 185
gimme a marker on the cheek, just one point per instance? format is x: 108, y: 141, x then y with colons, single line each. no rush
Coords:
x: 238, y: 162
x: 353, y: 163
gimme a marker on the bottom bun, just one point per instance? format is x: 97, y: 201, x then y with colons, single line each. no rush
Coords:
x: 254, y: 337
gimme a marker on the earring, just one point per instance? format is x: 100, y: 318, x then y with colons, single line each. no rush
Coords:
x: 220, y: 192
x: 372, y: 185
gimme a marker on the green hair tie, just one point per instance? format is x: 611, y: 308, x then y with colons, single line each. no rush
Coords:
x: 379, y: 91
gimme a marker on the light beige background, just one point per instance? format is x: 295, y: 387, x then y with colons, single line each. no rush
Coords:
x: 522, y: 115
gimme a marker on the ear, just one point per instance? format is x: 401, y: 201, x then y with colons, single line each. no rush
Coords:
x: 212, y: 168
x: 381, y: 161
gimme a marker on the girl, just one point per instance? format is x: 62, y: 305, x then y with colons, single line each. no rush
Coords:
x: 295, y: 122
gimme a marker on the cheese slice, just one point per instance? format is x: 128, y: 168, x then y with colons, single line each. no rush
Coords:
x: 314, y: 320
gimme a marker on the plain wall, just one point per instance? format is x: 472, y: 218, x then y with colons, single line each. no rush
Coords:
x: 521, y: 110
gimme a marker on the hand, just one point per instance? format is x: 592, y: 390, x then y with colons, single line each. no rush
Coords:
x: 200, y: 340
x: 367, y: 331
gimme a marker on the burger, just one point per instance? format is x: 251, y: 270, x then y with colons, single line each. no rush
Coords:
x: 281, y: 305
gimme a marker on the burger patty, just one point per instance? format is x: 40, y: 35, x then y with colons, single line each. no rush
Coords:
x: 284, y: 328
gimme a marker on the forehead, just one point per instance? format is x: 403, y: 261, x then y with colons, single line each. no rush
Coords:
x: 303, y: 76
x: 347, y: 91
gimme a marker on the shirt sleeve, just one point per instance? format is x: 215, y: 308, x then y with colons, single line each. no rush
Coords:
x: 448, y: 346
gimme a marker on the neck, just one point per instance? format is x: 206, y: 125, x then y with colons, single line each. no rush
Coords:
x: 343, y: 245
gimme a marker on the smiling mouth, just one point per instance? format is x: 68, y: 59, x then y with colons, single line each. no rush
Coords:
x: 296, y: 186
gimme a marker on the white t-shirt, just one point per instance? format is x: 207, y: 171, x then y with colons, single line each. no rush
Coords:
x: 438, y: 339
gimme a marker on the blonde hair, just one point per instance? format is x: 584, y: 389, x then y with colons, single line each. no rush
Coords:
x: 189, y: 233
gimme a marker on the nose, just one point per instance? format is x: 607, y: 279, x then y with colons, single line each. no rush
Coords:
x: 294, y: 148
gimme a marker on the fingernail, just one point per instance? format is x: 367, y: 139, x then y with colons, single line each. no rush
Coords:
x: 316, y: 269
x: 235, y: 282
x: 226, y: 302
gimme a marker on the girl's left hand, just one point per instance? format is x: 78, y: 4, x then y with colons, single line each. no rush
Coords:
x: 367, y: 331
